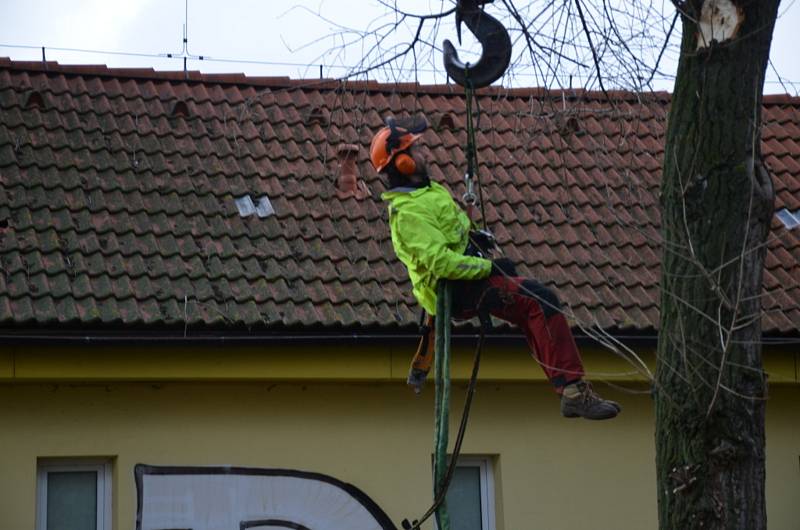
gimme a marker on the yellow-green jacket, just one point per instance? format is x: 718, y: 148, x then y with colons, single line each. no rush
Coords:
x: 429, y: 234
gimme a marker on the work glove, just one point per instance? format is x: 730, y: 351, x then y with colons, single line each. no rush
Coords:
x: 481, y: 243
x: 416, y: 379
x: 503, y: 266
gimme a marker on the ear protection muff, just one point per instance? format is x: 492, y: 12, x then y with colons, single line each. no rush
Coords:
x: 405, y: 164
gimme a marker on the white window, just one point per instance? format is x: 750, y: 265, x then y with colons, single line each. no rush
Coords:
x: 470, y: 498
x: 73, y: 494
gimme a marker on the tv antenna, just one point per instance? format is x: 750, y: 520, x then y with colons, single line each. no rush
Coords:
x: 184, y: 53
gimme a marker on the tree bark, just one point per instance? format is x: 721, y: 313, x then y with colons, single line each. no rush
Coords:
x: 716, y: 206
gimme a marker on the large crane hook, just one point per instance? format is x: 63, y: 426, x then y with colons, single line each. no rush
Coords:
x: 494, y: 39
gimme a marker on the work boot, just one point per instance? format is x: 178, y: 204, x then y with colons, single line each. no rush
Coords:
x: 580, y: 400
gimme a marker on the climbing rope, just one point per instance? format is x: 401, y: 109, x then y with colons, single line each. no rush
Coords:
x: 442, y: 411
x: 443, y: 473
x: 471, y: 178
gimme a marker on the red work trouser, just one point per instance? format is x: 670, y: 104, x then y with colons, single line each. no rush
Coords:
x: 536, y: 310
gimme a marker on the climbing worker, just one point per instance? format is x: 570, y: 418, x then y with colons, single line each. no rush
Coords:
x: 430, y: 234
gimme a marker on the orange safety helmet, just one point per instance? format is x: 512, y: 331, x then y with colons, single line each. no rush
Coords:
x: 389, y: 144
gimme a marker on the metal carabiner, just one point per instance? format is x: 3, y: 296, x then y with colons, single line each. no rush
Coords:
x: 494, y: 38
x: 469, y: 196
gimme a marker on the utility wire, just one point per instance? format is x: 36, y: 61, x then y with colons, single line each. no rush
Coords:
x: 208, y: 58
x: 347, y: 68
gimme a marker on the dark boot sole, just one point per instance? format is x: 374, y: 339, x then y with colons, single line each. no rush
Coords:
x: 603, y: 417
x: 594, y: 418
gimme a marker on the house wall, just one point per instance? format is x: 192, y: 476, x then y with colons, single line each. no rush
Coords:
x: 549, y: 472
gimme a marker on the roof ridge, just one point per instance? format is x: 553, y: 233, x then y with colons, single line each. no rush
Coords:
x: 284, y: 82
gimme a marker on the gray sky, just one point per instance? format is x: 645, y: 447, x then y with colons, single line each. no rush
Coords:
x: 288, y: 34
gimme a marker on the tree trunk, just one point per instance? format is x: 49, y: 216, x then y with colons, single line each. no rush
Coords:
x: 716, y: 206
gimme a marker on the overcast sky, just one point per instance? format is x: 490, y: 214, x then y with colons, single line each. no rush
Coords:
x: 290, y: 35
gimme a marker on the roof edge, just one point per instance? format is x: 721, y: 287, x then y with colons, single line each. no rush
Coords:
x: 778, y: 341
x: 94, y: 337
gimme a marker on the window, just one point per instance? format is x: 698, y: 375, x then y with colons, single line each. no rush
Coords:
x: 470, y: 498
x: 73, y: 495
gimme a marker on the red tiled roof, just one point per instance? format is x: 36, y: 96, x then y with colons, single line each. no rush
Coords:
x: 118, y: 187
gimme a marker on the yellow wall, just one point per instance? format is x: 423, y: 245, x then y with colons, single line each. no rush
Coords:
x: 309, y: 362
x: 551, y: 473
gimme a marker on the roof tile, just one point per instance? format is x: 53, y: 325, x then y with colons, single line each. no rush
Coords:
x: 122, y: 214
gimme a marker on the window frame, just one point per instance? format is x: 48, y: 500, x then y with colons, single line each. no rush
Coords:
x: 487, y: 491
x: 60, y: 465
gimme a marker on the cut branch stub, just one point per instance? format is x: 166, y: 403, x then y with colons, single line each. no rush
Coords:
x: 720, y: 20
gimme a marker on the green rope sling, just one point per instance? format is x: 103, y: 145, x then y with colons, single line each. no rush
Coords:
x: 442, y: 470
x: 442, y: 352
x: 442, y: 389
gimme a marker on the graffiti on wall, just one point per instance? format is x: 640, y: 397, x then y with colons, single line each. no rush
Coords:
x: 241, y: 498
